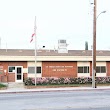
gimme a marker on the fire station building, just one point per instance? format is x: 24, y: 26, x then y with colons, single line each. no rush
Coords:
x: 18, y: 64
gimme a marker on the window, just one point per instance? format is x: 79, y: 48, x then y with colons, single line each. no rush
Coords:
x: 100, y: 69
x: 32, y: 70
x: 80, y: 69
x: 83, y: 69
x: 11, y: 69
x: 38, y: 69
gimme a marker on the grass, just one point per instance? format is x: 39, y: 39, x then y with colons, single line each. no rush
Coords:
x: 61, y: 85
x: 2, y: 85
x: 106, y: 84
x: 68, y: 85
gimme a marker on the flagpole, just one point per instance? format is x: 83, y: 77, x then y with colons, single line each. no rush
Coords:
x: 35, y: 51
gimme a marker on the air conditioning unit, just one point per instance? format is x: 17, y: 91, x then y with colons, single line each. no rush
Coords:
x: 62, y: 46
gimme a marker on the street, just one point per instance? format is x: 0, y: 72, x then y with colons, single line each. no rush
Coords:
x: 60, y: 100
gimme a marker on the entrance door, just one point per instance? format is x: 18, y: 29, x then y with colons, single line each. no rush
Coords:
x: 19, y: 74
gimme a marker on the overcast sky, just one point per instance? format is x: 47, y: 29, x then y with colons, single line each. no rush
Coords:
x: 71, y: 20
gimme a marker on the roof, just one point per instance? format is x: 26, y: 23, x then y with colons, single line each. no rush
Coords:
x: 42, y: 52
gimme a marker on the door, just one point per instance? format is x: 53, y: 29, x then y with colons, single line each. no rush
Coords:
x: 19, y: 74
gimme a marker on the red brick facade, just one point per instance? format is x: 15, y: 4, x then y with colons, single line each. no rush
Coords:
x: 59, y: 69
x: 108, y: 68
x: 9, y: 77
x: 90, y: 68
x: 49, y: 69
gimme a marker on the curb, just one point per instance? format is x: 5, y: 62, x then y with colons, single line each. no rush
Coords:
x: 51, y: 90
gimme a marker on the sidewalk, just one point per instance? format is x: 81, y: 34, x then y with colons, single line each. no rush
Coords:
x: 24, y: 90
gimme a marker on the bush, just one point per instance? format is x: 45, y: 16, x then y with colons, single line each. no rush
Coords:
x: 2, y: 85
x: 29, y: 81
x: 102, y: 80
x: 59, y: 81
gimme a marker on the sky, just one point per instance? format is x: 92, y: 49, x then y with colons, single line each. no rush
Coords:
x: 71, y: 20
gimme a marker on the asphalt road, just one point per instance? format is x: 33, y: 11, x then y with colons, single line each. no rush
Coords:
x: 60, y: 100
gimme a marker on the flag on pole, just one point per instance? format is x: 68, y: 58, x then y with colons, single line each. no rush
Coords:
x: 32, y: 37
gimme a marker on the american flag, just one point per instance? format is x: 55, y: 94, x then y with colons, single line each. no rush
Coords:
x: 32, y: 37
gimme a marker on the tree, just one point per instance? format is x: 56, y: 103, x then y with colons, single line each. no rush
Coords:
x: 86, y: 45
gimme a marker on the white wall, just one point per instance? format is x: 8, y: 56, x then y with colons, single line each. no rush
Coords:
x: 33, y: 64
x: 101, y: 74
x: 83, y: 64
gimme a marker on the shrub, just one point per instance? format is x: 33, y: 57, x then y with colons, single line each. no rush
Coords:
x: 102, y: 80
x: 29, y: 81
x: 2, y: 85
x: 59, y: 81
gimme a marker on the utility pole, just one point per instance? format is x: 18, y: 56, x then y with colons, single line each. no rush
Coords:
x: 94, y: 47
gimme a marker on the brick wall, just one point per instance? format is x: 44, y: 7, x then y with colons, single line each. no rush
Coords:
x: 24, y: 76
x: 108, y: 68
x: 59, y: 69
x: 90, y: 68
x: 10, y: 76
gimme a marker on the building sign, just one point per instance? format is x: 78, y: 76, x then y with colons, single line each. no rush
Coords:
x: 59, y: 68
x: 1, y: 69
